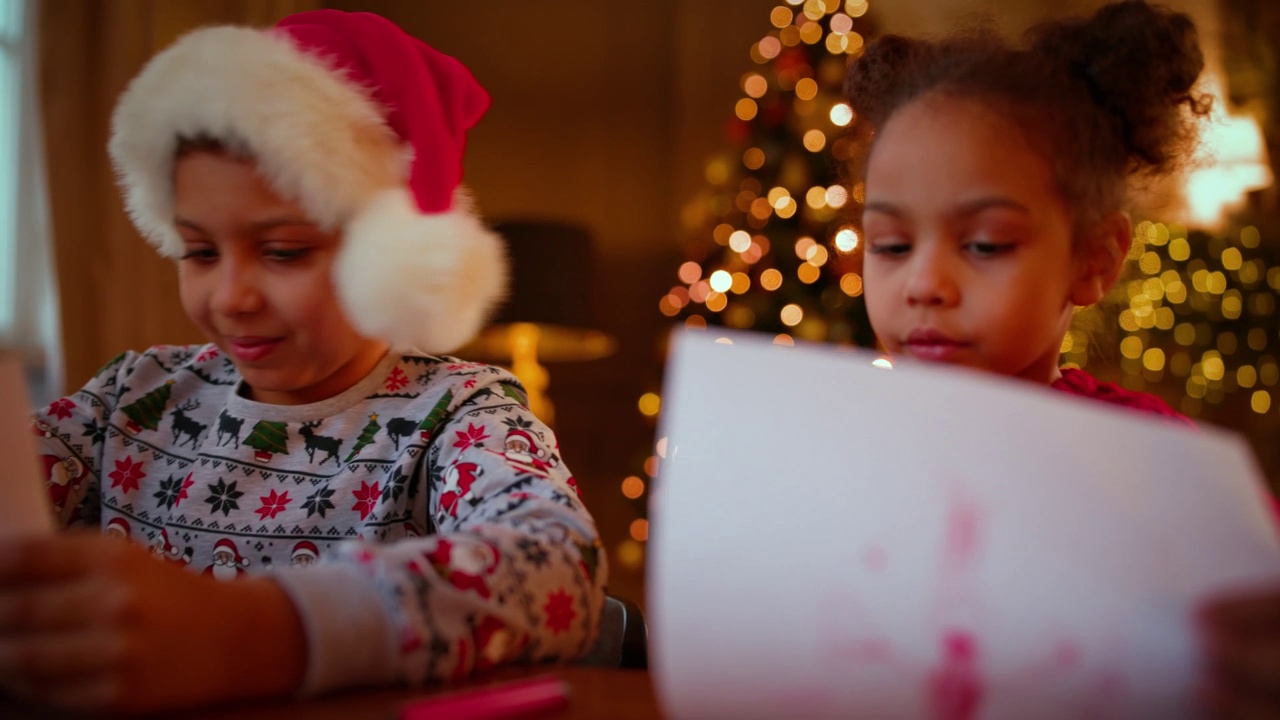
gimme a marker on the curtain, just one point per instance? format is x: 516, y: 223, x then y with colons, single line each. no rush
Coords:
x: 28, y: 297
x: 114, y: 292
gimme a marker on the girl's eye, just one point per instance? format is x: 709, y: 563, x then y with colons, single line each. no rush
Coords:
x: 892, y: 247
x: 200, y: 254
x: 984, y: 248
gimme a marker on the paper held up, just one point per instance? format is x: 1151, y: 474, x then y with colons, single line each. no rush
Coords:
x: 24, y: 509
x: 834, y: 539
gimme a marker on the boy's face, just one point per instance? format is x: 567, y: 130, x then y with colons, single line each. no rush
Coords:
x: 256, y: 278
x: 969, y: 253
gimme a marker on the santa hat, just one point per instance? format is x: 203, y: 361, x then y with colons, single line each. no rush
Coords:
x: 119, y: 524
x: 227, y: 546
x: 361, y: 124
x: 305, y: 548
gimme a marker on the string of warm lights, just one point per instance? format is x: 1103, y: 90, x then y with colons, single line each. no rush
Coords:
x: 1197, y: 319
x: 772, y: 246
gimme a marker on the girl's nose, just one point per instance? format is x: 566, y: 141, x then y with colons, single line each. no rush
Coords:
x: 932, y: 280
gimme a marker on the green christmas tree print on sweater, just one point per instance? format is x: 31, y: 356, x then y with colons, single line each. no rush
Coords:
x: 367, y: 435
x: 268, y: 438
x: 436, y: 416
x: 145, y: 412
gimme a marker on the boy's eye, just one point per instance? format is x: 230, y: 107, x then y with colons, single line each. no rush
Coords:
x: 286, y: 254
x: 985, y: 248
x: 200, y: 254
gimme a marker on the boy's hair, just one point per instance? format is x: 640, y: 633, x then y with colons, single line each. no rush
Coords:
x: 1106, y: 98
x: 204, y: 142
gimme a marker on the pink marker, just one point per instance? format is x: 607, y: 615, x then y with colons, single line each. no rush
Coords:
x: 521, y: 698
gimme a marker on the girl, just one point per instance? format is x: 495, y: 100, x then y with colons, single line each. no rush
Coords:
x: 995, y: 191
x: 352, y: 483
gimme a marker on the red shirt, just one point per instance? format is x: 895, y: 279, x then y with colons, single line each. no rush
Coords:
x: 1081, y: 383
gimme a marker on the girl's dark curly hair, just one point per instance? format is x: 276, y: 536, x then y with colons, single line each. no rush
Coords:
x: 1106, y: 98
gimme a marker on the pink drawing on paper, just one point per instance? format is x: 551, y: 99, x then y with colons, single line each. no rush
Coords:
x: 955, y: 685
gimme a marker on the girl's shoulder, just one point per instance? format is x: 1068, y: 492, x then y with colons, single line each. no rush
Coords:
x: 1075, y: 381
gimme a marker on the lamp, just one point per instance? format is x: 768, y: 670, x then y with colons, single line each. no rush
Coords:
x: 1237, y: 164
x: 549, y: 314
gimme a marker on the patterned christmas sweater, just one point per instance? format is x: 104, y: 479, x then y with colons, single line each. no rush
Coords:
x: 422, y: 522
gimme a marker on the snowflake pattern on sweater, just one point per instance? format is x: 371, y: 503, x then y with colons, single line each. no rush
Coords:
x: 422, y: 521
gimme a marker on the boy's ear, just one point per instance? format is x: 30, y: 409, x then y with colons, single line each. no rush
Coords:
x: 1101, y: 258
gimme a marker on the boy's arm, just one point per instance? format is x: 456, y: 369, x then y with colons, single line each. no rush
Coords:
x: 514, y: 573
x: 70, y: 435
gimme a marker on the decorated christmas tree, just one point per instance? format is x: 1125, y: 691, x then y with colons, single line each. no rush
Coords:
x: 268, y: 438
x: 772, y: 246
x: 146, y: 411
x: 366, y: 436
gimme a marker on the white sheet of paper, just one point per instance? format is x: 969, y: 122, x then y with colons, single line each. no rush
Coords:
x: 24, y: 507
x: 833, y: 539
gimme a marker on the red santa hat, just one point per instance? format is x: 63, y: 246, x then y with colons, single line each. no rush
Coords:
x: 305, y: 548
x: 118, y: 524
x: 361, y: 124
x: 227, y: 546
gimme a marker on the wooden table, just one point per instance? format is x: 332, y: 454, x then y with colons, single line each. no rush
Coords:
x: 595, y: 693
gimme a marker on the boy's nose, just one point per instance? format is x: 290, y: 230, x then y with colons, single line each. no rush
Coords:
x: 237, y: 292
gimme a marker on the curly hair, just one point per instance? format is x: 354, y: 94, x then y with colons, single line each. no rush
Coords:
x: 1106, y: 98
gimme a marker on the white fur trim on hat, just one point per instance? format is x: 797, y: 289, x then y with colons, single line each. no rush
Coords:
x: 391, y: 246
x: 418, y: 281
x: 316, y: 139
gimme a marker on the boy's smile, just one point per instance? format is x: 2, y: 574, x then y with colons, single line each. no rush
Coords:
x: 250, y: 349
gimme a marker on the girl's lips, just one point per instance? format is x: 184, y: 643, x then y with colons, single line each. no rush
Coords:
x: 251, y: 349
x: 933, y: 345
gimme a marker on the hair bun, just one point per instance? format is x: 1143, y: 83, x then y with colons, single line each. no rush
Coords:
x: 1139, y: 62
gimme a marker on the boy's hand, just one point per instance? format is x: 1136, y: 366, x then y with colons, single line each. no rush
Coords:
x: 93, y: 623
x: 1242, y: 655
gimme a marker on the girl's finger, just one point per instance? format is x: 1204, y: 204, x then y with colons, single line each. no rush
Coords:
x: 1244, y: 612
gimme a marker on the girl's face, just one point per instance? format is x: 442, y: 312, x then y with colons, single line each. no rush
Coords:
x: 256, y: 278
x: 969, y: 243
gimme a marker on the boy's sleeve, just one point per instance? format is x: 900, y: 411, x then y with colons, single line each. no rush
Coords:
x: 70, y: 436
x: 514, y: 572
